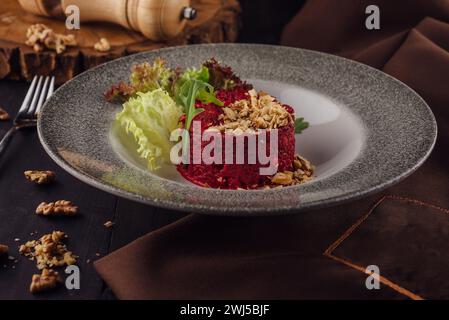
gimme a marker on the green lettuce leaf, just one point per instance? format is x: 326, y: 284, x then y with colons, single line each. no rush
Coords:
x: 150, y: 118
x: 201, y: 74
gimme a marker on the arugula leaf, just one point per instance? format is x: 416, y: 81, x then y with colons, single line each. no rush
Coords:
x: 201, y: 74
x: 207, y: 95
x: 187, y: 96
x: 300, y: 125
x: 191, y: 90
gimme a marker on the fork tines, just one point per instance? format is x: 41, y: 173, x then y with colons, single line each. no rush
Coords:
x: 40, y: 90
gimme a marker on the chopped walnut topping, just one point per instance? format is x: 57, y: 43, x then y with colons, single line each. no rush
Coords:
x: 47, y: 280
x: 48, y: 251
x: 39, y: 37
x: 40, y: 177
x: 3, y: 249
x: 283, y: 178
x: 3, y: 114
x: 303, y: 171
x: 258, y: 111
x: 103, y: 45
x: 60, y: 207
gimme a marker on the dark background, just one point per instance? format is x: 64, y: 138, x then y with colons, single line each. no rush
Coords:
x: 263, y: 20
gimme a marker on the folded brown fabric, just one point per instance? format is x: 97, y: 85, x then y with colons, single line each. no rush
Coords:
x: 282, y: 257
x: 339, y: 26
x: 206, y: 257
x: 422, y: 229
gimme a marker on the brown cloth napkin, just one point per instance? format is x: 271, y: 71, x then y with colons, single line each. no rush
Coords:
x: 282, y: 257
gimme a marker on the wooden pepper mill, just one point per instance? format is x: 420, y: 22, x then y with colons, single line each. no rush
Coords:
x: 155, y: 19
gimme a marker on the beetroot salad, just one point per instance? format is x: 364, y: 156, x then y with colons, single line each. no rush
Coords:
x: 217, y: 130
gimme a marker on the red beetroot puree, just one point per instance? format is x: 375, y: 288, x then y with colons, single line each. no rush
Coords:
x: 234, y: 176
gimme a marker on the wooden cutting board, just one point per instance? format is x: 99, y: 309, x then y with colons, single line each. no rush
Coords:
x: 217, y: 21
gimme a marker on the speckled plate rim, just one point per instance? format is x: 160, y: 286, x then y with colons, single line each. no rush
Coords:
x: 219, y: 210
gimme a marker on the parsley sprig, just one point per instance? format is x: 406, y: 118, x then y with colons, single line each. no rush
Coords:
x: 300, y: 125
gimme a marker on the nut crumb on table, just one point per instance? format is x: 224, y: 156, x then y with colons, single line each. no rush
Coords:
x: 3, y: 114
x: 108, y: 224
x: 58, y: 208
x: 47, y: 280
x: 103, y: 45
x: 48, y: 251
x: 40, y: 176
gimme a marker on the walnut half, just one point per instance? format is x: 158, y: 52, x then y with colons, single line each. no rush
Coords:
x: 47, y: 280
x: 39, y: 176
x: 39, y: 37
x: 60, y: 207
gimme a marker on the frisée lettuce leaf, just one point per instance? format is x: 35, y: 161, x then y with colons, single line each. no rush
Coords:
x: 149, y: 118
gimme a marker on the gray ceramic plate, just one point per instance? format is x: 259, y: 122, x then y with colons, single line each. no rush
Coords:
x: 368, y: 130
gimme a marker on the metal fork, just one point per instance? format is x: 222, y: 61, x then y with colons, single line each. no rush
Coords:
x: 40, y: 90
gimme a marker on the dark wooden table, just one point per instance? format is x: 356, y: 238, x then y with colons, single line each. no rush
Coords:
x: 87, y: 234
